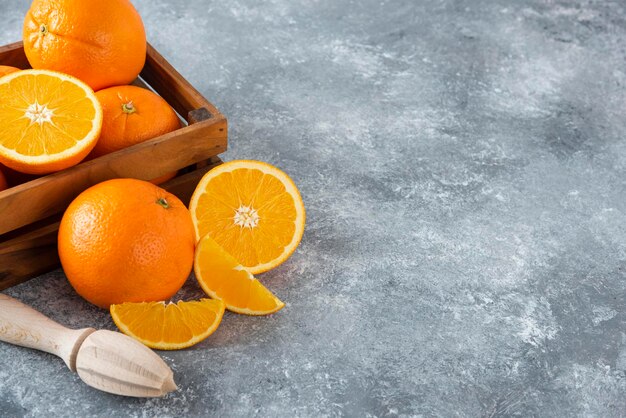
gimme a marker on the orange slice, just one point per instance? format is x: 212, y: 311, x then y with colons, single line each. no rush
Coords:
x: 48, y: 121
x: 253, y: 210
x: 222, y: 277
x: 169, y: 327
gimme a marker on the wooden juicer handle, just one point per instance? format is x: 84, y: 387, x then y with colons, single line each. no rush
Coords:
x: 24, y: 326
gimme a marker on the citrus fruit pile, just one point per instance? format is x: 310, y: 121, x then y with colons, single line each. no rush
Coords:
x: 128, y: 245
x: 50, y: 118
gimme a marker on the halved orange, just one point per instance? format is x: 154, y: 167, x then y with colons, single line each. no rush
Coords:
x: 253, y: 210
x: 222, y: 277
x: 48, y: 121
x: 169, y: 326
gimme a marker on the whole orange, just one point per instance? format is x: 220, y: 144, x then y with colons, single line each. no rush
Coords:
x: 126, y: 240
x: 132, y: 115
x: 6, y: 69
x: 102, y: 43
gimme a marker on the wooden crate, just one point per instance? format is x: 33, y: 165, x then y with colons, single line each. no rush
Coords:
x: 30, y: 212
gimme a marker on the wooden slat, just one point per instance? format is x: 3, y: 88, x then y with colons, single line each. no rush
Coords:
x: 173, y: 87
x: 13, y: 55
x: 35, y: 252
x: 28, y: 256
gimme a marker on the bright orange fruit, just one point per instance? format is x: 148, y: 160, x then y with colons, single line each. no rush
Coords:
x: 169, y: 326
x: 222, y: 277
x: 253, y: 210
x: 126, y: 240
x: 6, y: 69
x: 133, y: 115
x: 48, y: 121
x: 100, y: 42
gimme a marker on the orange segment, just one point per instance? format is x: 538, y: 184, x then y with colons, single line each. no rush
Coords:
x: 222, y: 277
x: 253, y: 210
x: 48, y: 121
x: 169, y: 327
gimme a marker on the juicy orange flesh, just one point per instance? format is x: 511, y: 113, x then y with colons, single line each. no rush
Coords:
x: 221, y: 276
x: 248, y: 188
x: 173, y: 323
x: 71, y: 119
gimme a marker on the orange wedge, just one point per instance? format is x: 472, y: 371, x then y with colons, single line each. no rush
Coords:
x: 169, y: 327
x: 48, y: 121
x: 222, y: 277
x: 253, y: 210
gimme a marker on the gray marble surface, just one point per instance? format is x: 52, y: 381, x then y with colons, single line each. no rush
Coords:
x: 463, y: 166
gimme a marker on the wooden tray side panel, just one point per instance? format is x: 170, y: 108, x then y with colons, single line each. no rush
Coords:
x: 173, y: 87
x: 35, y: 252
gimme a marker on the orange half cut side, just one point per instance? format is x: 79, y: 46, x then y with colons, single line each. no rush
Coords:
x: 253, y: 210
x: 48, y: 121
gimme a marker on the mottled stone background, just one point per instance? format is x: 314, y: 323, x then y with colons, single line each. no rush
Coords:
x: 463, y: 166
